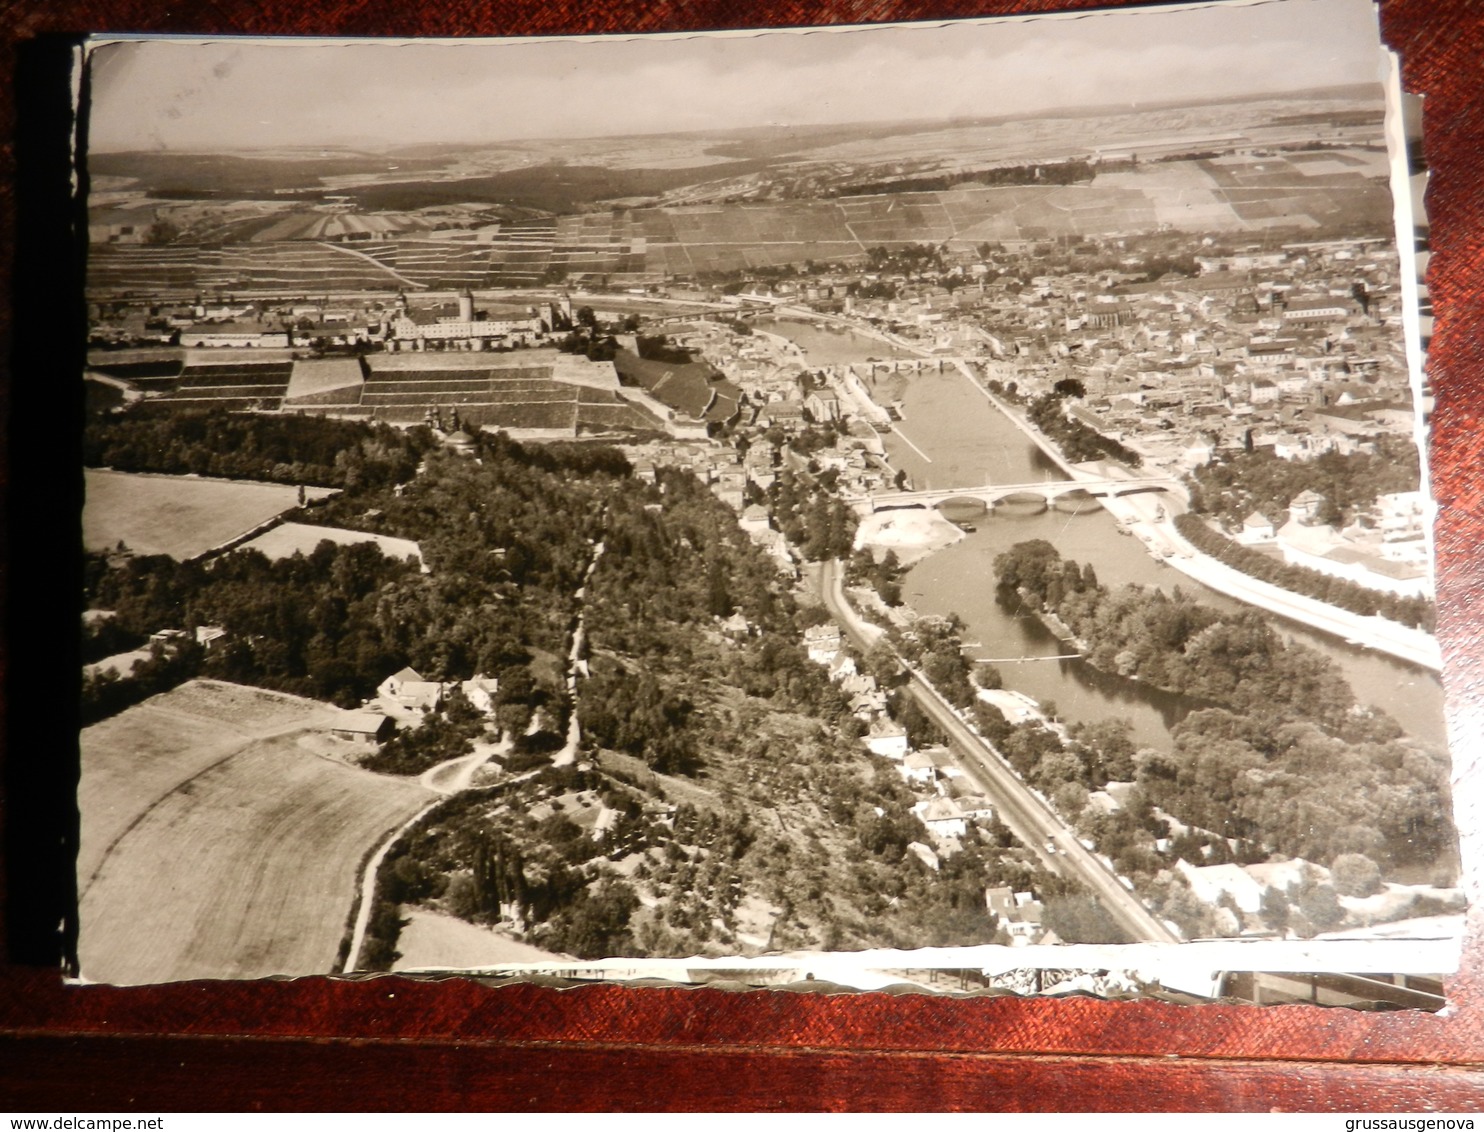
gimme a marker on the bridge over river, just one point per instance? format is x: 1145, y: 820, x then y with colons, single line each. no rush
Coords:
x: 992, y: 493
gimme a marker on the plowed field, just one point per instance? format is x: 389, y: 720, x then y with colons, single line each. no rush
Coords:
x: 214, y: 845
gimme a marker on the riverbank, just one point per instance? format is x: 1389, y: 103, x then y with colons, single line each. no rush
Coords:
x: 1153, y: 523
x: 911, y: 534
x: 959, y: 438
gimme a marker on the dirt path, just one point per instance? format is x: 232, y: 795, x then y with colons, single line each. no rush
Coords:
x: 576, y: 666
x: 376, y: 263
x: 456, y: 774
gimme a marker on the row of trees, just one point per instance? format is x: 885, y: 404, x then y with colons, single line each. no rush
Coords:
x: 1068, y: 172
x: 1416, y: 612
x: 1076, y: 440
x: 287, y: 449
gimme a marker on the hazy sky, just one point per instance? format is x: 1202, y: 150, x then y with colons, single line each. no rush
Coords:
x: 188, y: 94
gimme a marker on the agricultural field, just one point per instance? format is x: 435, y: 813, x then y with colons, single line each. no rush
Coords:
x: 288, y: 539
x: 178, y: 515
x: 216, y: 843
x: 1244, y: 192
x: 317, y: 225
x: 132, y: 760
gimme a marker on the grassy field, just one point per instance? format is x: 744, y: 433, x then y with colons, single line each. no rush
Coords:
x: 178, y: 515
x: 432, y: 939
x: 215, y: 845
x: 288, y: 539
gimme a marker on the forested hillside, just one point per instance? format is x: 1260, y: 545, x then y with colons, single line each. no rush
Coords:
x: 785, y: 833
x: 506, y: 541
x: 1284, y: 759
x: 742, y: 811
x: 284, y: 449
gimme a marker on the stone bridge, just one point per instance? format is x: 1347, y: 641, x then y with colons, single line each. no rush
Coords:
x: 933, y: 364
x: 990, y: 494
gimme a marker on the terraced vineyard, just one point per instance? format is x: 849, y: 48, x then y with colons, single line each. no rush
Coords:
x: 524, y: 396
x: 231, y: 386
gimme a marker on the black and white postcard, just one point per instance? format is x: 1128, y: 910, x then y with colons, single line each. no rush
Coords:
x: 938, y: 504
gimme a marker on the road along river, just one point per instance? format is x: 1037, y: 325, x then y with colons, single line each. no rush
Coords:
x: 951, y: 436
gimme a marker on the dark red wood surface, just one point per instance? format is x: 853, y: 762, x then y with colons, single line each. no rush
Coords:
x: 394, y: 1043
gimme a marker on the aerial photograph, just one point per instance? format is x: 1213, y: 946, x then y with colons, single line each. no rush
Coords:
x: 748, y: 507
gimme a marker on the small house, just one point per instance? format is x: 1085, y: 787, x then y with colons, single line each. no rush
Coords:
x: 887, y: 738
x: 1256, y: 527
x: 409, y: 690
x: 366, y: 728
x: 481, y: 691
x: 822, y: 643
x: 942, y: 817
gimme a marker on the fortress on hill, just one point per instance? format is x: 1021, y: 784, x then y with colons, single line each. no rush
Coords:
x: 531, y: 391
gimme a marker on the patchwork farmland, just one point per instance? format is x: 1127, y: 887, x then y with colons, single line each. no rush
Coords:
x: 1229, y: 194
x: 219, y: 844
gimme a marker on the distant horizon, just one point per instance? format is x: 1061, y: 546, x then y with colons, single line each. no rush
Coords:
x: 241, y: 95
x: 1073, y: 111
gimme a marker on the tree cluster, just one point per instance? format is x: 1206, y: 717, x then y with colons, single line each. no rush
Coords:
x: 104, y: 637
x: 1234, y: 486
x: 1302, y: 791
x: 659, y: 348
x: 282, y: 449
x: 1076, y: 440
x: 1068, y: 172
x: 105, y: 693
x: 1175, y: 643
x: 812, y: 517
x: 1289, y: 761
x: 935, y: 645
x: 883, y: 575
x: 631, y: 712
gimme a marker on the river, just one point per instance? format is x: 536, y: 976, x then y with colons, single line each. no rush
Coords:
x: 950, y: 436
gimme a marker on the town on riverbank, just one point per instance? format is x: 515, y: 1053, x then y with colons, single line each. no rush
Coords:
x: 982, y: 583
